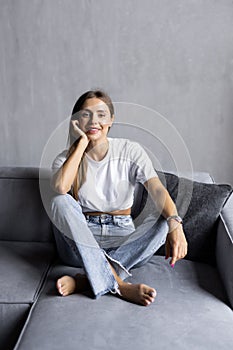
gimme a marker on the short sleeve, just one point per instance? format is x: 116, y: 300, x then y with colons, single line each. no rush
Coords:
x: 59, y: 160
x: 142, y: 168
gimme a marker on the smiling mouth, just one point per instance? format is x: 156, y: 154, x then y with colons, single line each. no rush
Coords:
x: 93, y: 130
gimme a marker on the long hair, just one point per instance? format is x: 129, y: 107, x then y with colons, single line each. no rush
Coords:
x: 72, y: 142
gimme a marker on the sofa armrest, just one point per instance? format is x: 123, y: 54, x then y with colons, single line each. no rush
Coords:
x: 224, y: 248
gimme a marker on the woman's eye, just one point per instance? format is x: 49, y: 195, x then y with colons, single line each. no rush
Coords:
x: 101, y: 115
x: 85, y: 115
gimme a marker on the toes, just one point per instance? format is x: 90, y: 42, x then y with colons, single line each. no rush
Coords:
x: 149, y: 296
x: 58, y: 284
x: 64, y: 291
x: 146, y: 302
x: 149, y: 299
x: 59, y: 287
x: 152, y: 293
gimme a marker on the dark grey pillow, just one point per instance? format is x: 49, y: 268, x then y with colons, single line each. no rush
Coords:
x: 199, y: 204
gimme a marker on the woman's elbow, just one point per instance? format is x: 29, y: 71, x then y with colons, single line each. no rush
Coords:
x: 62, y: 189
x: 59, y: 188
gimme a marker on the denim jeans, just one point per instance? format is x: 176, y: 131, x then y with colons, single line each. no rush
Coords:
x: 91, y: 242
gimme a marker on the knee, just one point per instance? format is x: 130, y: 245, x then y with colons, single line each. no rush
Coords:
x: 59, y: 201
x: 63, y: 202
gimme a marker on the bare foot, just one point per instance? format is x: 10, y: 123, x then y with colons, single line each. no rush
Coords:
x: 67, y: 285
x: 137, y: 293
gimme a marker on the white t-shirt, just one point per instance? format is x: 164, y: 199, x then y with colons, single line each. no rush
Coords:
x: 110, y: 183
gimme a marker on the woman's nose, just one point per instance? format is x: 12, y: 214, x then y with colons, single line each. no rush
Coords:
x: 94, y: 118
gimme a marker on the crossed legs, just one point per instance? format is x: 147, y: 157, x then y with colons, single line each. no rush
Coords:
x: 100, y: 275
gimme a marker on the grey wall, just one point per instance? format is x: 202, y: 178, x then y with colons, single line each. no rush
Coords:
x: 175, y: 57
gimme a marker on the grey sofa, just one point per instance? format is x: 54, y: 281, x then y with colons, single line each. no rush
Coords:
x: 193, y: 308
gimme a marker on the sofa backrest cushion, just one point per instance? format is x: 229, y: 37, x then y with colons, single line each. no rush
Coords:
x: 22, y: 215
x: 199, y: 204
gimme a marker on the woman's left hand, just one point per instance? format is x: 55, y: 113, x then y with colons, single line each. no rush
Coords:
x: 176, y: 245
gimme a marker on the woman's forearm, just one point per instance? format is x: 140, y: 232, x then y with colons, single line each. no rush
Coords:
x: 161, y: 197
x: 176, y: 243
x: 63, y: 179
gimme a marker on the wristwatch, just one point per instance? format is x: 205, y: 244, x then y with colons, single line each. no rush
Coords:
x: 176, y: 218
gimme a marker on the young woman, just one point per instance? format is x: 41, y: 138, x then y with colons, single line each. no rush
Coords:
x: 95, y: 180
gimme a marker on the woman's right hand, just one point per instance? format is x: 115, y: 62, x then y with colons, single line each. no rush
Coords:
x: 77, y: 132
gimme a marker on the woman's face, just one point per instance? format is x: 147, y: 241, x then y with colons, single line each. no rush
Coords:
x: 95, y: 118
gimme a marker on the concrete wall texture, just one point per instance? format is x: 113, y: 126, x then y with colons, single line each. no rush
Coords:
x: 175, y: 57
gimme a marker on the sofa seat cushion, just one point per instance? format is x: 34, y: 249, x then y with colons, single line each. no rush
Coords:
x: 23, y: 266
x: 190, y: 312
x: 12, y: 319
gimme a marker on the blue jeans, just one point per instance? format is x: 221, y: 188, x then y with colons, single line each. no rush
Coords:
x: 92, y: 242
